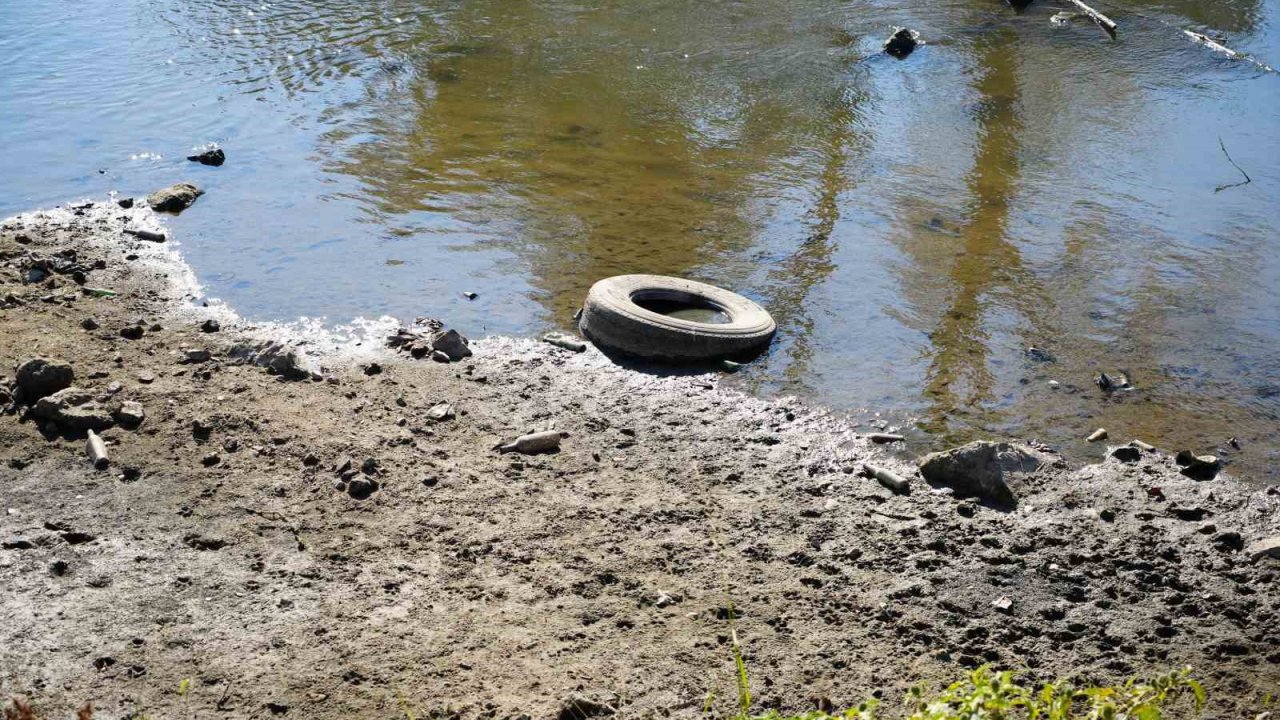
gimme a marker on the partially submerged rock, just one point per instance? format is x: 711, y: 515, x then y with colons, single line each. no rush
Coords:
x: 213, y: 157
x: 981, y: 469
x: 74, y: 409
x: 39, y: 377
x: 902, y: 42
x: 174, y: 198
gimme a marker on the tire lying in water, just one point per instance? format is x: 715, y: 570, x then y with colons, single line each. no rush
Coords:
x: 674, y: 320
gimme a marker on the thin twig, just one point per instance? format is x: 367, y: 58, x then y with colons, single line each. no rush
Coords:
x: 1246, y: 180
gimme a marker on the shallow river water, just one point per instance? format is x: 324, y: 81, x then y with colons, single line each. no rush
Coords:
x: 913, y: 225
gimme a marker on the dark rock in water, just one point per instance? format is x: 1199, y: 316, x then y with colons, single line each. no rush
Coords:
x: 39, y: 377
x: 981, y: 469
x: 428, y: 336
x: 74, y: 409
x: 214, y: 157
x: 125, y: 203
x: 902, y: 42
x: 174, y: 198
x: 1035, y: 353
x: 1019, y: 4
x: 1198, y: 467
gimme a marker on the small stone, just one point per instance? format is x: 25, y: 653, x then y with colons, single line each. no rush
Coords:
x: 1097, y: 435
x: 1197, y: 467
x: 131, y: 413
x: 372, y: 369
x: 146, y: 378
x: 210, y: 460
x: 174, y: 198
x: 440, y: 412
x: 1229, y: 541
x: 361, y: 487
x: 440, y: 356
x: 132, y: 332
x: 197, y: 355
x: 125, y: 203
x: 210, y: 326
x: 1107, y: 515
x: 89, y: 324
x: 1002, y: 603
x: 981, y: 469
x: 452, y: 344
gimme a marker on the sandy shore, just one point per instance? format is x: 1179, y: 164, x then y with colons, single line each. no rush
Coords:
x: 230, y: 543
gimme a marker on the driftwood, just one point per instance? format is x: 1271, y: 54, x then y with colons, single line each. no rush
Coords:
x: 1246, y: 179
x: 1103, y: 21
x: 1214, y: 45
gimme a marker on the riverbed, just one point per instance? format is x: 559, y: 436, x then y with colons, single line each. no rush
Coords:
x: 914, y: 226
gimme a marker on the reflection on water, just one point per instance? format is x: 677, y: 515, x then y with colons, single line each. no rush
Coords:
x: 913, y: 225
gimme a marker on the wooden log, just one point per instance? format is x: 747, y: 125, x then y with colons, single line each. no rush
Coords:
x: 1103, y: 21
x: 1218, y: 47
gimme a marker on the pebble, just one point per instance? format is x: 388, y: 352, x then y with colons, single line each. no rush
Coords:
x: 89, y: 324
x: 132, y: 332
x: 210, y: 326
x: 131, y: 412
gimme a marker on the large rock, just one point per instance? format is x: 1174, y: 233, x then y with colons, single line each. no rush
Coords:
x: 1265, y: 548
x: 174, y: 198
x: 981, y: 469
x: 39, y: 377
x: 452, y: 344
x: 74, y: 409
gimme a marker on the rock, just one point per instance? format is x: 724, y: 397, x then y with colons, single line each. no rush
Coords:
x: 210, y: 460
x: 361, y: 487
x: 1265, y: 548
x: 581, y: 707
x: 1109, y: 384
x: 372, y: 368
x: 174, y: 198
x: 1197, y: 467
x: 125, y: 203
x: 440, y: 412
x: 131, y: 413
x: 1127, y: 454
x: 132, y: 332
x: 882, y: 438
x: 440, y: 356
x: 210, y: 326
x: 470, y: 295
x: 39, y: 377
x: 1229, y: 541
x: 1097, y: 435
x: 89, y: 324
x: 452, y: 344
x: 213, y: 157
x: 148, y: 235
x: 74, y: 409
x: 980, y: 468
x: 1002, y: 603
x: 276, y: 357
x: 1038, y: 355
x: 902, y: 42
x: 197, y: 355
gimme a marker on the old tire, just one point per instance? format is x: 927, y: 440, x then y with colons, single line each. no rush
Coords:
x: 613, y: 320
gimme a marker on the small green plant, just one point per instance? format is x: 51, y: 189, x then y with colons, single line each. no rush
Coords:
x: 989, y: 695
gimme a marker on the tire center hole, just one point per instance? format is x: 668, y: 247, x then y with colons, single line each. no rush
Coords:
x: 682, y: 306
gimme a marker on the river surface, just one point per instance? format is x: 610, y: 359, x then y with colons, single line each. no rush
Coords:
x: 913, y: 225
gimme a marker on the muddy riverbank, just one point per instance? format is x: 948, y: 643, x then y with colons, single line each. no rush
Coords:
x: 329, y: 548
